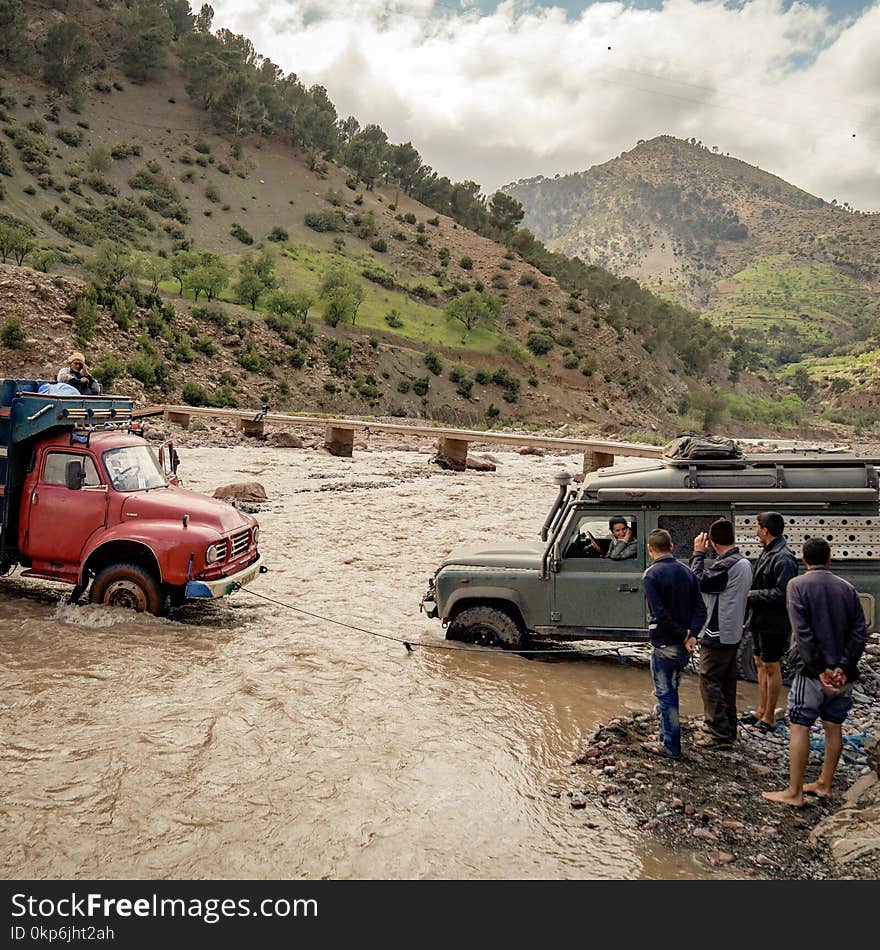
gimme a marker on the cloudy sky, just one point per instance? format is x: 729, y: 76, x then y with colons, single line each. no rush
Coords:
x: 500, y: 91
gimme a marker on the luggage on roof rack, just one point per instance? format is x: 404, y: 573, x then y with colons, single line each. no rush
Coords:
x: 693, y: 447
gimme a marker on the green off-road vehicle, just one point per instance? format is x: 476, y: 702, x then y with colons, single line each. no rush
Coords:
x: 566, y: 588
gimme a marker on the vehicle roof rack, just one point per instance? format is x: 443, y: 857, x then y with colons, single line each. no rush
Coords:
x: 789, y: 495
x: 25, y: 413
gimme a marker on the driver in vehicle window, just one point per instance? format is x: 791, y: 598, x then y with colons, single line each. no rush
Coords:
x: 623, y: 545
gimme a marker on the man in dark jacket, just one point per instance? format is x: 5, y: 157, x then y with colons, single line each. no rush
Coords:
x: 676, y: 615
x: 767, y: 619
x: 830, y: 634
x: 725, y: 583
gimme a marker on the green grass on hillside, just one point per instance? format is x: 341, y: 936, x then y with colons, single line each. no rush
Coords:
x: 774, y: 296
x: 303, y: 266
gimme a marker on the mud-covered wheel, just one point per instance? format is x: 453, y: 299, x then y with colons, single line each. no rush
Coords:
x: 487, y: 626
x: 127, y: 585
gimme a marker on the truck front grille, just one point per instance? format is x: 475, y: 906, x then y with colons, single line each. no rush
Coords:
x: 239, y: 543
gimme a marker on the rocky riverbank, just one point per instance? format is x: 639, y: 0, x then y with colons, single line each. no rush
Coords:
x: 710, y: 803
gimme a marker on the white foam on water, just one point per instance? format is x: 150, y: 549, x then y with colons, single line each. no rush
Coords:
x: 98, y: 615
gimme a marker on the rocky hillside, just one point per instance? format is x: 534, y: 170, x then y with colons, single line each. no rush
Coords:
x: 109, y: 183
x: 798, y: 275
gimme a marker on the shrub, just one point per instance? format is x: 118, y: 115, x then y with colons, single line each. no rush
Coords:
x: 326, y: 220
x: 183, y: 351
x: 121, y: 150
x: 212, y: 194
x: 108, y: 369
x: 529, y: 280
x: 398, y: 236
x: 422, y: 240
x: 143, y: 368
x: 99, y: 184
x: 466, y: 263
x: 278, y: 235
x: 33, y: 149
x: 194, y: 395
x: 100, y: 159
x: 202, y: 147
x: 69, y: 137
x: 206, y: 345
x: 465, y: 388
x: 393, y: 319
x: 421, y: 385
x: 85, y: 318
x: 379, y: 245
x: 410, y: 218
x: 241, y: 234
x: 162, y: 197
x: 539, y: 343
x: 493, y: 411
x: 434, y: 363
x: 12, y: 334
x: 334, y: 197
x: 435, y: 222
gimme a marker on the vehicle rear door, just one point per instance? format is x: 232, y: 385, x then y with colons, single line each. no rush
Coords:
x: 61, y: 520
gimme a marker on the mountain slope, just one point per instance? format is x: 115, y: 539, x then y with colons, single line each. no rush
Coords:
x: 750, y: 251
x: 174, y: 182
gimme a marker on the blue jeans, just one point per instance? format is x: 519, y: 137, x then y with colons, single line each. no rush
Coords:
x: 667, y: 665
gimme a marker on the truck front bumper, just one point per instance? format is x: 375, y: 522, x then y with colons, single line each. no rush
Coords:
x: 224, y: 585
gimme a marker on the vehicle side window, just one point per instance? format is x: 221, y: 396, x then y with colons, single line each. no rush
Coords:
x: 684, y: 528
x: 54, y: 472
x: 613, y: 538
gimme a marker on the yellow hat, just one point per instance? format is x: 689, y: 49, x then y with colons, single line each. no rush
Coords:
x: 76, y: 358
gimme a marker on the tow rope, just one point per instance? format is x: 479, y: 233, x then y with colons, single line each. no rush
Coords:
x: 408, y: 644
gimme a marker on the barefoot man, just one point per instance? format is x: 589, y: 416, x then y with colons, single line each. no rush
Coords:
x: 829, y: 628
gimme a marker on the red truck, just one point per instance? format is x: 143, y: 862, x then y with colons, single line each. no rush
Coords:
x: 85, y: 500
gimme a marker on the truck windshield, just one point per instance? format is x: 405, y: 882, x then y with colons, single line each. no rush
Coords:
x: 133, y: 468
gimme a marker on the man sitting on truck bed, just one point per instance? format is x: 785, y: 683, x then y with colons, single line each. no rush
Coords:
x: 75, y: 374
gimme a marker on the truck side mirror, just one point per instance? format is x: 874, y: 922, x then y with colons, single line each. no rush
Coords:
x: 75, y: 475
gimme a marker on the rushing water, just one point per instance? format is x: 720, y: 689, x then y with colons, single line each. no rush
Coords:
x: 243, y: 740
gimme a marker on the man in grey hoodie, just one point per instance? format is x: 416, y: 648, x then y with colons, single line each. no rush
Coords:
x: 725, y: 582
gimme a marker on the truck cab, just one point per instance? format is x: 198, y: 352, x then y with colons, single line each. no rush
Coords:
x: 565, y: 587
x: 84, y: 500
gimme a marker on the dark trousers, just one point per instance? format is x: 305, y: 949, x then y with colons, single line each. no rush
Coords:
x: 718, y: 689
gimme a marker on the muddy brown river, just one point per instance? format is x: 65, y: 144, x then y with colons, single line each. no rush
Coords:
x: 243, y: 740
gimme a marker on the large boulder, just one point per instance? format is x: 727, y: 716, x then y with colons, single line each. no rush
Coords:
x: 242, y: 491
x: 286, y: 440
x: 480, y: 464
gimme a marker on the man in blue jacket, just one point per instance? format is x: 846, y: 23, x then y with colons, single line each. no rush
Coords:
x: 830, y: 634
x: 676, y: 614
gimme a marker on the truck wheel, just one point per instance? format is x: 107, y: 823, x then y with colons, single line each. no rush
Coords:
x: 488, y: 626
x: 127, y: 585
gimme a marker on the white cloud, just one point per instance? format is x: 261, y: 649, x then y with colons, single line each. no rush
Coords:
x: 529, y: 90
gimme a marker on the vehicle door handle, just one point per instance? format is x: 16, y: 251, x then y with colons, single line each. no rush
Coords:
x: 626, y: 589
x: 34, y: 497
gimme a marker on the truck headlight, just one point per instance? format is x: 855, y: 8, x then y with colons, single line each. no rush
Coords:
x: 256, y: 533
x: 213, y: 553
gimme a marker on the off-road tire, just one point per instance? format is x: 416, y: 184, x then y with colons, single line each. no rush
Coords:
x: 487, y: 626
x: 127, y: 585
